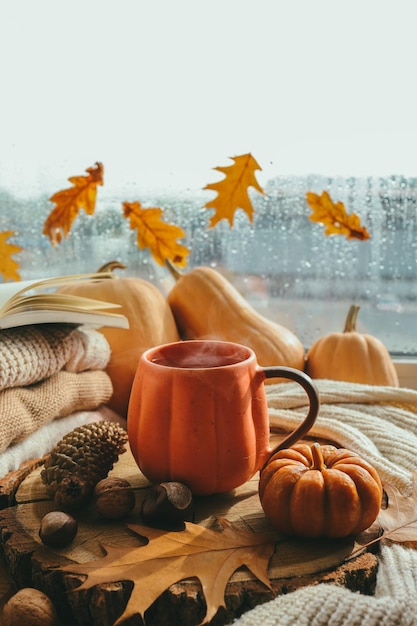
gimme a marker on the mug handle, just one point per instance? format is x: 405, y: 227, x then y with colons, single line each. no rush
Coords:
x: 313, y: 395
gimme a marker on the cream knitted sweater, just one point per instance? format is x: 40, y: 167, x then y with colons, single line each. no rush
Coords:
x: 379, y: 423
x: 29, y: 354
x: 48, y: 372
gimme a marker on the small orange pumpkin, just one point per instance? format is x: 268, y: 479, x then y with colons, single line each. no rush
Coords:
x: 150, y: 323
x: 319, y: 491
x: 351, y: 356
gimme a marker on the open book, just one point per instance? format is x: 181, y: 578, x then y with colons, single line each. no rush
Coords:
x: 36, y: 302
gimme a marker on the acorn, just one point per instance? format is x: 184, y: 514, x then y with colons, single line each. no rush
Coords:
x: 167, y: 505
x: 114, y: 497
x: 58, y: 529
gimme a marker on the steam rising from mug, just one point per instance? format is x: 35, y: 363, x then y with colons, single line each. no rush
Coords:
x: 198, y: 414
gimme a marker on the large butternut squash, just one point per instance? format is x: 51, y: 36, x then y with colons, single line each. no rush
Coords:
x: 207, y: 306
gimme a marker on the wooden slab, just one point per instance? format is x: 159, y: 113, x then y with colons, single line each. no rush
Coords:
x: 295, y: 563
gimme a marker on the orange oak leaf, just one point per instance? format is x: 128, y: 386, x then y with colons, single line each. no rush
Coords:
x: 170, y: 557
x: 155, y: 234
x: 232, y: 190
x: 334, y: 217
x: 399, y: 519
x: 8, y: 266
x: 69, y: 202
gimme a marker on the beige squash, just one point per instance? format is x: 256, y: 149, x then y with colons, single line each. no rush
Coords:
x: 351, y: 356
x: 207, y: 306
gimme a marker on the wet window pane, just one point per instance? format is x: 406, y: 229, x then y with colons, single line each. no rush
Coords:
x: 321, y: 93
x: 282, y: 263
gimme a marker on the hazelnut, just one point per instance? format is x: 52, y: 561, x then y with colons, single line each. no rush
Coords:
x: 114, y: 497
x: 167, y: 505
x: 29, y: 606
x: 58, y: 529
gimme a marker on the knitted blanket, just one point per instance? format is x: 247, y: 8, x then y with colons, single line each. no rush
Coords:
x: 380, y: 423
x: 29, y: 354
x: 377, y: 422
x: 23, y: 410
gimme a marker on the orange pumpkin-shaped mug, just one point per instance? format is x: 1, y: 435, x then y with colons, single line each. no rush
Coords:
x: 198, y: 414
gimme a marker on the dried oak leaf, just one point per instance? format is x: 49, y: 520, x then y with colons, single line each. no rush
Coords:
x: 334, y: 217
x: 69, y: 202
x: 232, y: 190
x: 155, y: 234
x: 399, y: 519
x: 8, y: 266
x: 170, y: 557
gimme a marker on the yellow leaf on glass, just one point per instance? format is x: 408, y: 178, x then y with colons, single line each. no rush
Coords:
x: 155, y: 234
x: 232, y: 190
x: 82, y: 195
x: 8, y: 266
x: 334, y: 217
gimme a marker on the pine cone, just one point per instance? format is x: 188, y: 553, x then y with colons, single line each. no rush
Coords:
x: 80, y: 459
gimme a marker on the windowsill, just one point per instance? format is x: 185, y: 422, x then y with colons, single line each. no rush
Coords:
x: 407, y: 372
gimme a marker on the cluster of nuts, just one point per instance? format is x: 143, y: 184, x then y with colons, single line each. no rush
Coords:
x: 165, y: 506
x: 114, y: 498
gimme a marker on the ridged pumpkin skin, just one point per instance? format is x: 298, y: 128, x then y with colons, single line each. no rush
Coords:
x: 150, y: 323
x: 319, y: 491
x: 351, y: 356
x: 207, y: 306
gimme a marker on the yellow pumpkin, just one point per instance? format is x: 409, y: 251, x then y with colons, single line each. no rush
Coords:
x: 351, y: 356
x: 207, y: 306
x: 151, y: 323
x: 319, y: 491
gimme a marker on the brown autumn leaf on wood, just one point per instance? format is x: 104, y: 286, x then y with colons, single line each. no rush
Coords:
x: 8, y: 266
x: 170, y: 557
x: 69, y: 202
x: 334, y: 217
x: 399, y: 519
x: 155, y: 234
x: 232, y: 190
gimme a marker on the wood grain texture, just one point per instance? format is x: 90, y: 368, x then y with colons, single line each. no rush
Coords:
x: 295, y: 563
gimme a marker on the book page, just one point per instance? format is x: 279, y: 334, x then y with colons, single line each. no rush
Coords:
x: 56, y: 300
x: 10, y: 293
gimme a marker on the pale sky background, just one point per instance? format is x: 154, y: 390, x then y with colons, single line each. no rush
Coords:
x: 162, y: 91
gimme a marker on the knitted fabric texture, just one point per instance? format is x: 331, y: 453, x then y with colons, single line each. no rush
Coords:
x: 379, y: 423
x: 24, y: 410
x: 394, y: 603
x: 32, y: 353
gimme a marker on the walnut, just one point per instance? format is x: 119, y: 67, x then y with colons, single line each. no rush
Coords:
x: 114, y: 497
x: 29, y: 606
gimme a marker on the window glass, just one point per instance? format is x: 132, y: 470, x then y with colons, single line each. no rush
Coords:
x: 321, y: 94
